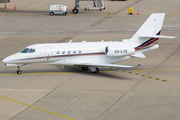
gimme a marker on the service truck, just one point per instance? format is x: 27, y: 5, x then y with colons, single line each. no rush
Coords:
x: 58, y: 9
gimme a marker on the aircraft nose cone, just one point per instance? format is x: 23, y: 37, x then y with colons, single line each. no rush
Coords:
x: 6, y: 60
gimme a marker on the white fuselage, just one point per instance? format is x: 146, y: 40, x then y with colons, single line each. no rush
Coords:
x: 67, y: 54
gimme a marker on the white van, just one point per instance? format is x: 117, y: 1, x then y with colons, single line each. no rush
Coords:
x: 58, y: 9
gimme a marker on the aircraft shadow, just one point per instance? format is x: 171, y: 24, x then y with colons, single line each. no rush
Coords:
x: 102, y: 73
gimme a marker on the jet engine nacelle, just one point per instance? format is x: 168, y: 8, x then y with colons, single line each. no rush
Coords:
x: 117, y: 51
x: 5, y: 1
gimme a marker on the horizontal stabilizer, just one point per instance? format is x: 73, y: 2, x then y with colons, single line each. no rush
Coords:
x: 139, y: 54
x: 155, y: 36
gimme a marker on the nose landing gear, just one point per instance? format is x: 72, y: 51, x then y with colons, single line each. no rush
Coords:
x: 18, y: 70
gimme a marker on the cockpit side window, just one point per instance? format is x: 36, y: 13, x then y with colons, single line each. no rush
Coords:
x: 25, y: 50
x: 28, y: 50
x: 31, y: 50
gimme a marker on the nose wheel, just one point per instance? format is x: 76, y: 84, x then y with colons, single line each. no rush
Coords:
x: 18, y: 70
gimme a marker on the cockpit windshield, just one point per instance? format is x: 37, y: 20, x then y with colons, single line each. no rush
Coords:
x: 31, y: 50
x: 25, y: 50
x: 28, y: 50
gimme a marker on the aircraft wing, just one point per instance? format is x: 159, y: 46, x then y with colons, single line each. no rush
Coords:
x: 106, y: 65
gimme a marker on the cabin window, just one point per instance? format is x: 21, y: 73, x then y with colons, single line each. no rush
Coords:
x: 74, y: 51
x: 63, y: 52
x: 25, y: 50
x: 79, y: 51
x: 57, y: 52
x: 69, y: 51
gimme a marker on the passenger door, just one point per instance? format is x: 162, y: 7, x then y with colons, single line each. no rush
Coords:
x: 48, y: 54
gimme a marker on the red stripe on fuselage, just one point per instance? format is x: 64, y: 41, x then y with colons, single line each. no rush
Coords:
x: 71, y: 55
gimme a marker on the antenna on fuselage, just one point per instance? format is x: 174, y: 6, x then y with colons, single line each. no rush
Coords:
x: 70, y: 41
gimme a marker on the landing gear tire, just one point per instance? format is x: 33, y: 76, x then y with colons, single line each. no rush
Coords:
x: 65, y: 14
x: 51, y: 13
x: 96, y: 71
x: 85, y: 68
x: 19, y: 72
x: 75, y: 11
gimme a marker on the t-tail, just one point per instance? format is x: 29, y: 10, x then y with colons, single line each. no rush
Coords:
x: 145, y: 39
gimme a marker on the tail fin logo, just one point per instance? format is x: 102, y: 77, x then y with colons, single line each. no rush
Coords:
x: 148, y: 42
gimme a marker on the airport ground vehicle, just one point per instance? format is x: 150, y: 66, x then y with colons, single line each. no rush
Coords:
x: 58, y: 9
x: 96, y: 5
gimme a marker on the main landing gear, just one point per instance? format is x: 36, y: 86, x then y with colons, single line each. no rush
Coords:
x: 18, y: 70
x: 96, y: 70
x: 75, y: 10
x: 85, y: 68
x: 93, y: 69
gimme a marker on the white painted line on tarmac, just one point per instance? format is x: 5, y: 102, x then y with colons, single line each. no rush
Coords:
x: 52, y: 31
x: 173, y: 29
x: 23, y: 20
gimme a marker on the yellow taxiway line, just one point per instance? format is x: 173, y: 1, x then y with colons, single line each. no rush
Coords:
x: 143, y: 70
x: 146, y: 76
x: 37, y: 108
x: 169, y: 69
x: 40, y: 73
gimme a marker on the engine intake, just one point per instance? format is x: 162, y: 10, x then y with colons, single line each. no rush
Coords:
x: 117, y: 51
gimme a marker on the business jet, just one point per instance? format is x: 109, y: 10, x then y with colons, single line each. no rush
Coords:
x: 92, y: 54
x: 5, y: 1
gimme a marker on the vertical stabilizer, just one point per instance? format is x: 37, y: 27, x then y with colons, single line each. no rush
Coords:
x: 151, y: 27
